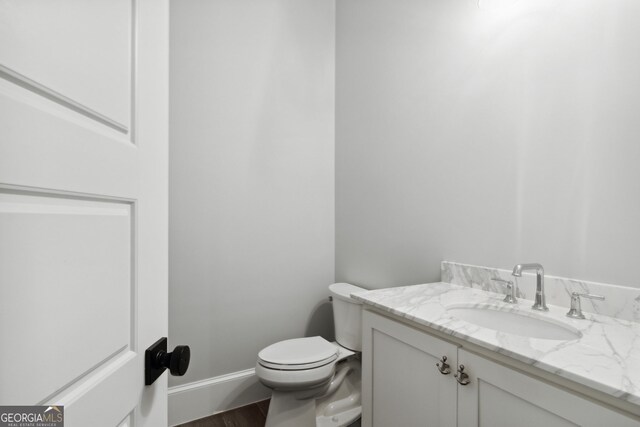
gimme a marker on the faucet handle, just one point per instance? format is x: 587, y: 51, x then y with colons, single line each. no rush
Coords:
x: 510, y: 297
x: 590, y: 296
x: 575, y: 311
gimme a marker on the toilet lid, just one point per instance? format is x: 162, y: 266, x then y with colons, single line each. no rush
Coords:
x: 298, y: 353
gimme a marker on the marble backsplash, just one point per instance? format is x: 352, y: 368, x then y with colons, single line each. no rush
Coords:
x: 620, y: 301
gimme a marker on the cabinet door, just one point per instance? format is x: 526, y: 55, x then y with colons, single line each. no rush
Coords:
x: 498, y: 396
x: 401, y: 385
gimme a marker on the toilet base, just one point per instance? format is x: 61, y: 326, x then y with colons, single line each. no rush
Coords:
x: 285, y: 410
x: 340, y: 420
x: 338, y: 407
x: 342, y: 407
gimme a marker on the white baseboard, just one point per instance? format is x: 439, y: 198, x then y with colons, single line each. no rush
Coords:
x: 200, y: 399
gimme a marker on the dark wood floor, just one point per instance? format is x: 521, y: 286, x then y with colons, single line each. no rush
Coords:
x: 254, y: 415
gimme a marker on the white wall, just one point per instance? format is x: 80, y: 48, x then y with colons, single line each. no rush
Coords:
x: 251, y: 178
x: 491, y: 133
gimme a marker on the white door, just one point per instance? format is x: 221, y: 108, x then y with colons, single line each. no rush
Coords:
x: 83, y: 206
x: 401, y: 384
x: 498, y: 396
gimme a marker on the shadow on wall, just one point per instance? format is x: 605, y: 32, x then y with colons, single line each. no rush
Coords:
x: 245, y: 392
x: 320, y: 321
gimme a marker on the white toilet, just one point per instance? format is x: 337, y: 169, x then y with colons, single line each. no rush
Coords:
x: 316, y: 382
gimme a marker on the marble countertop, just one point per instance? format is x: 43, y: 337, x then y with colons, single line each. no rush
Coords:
x: 605, y: 358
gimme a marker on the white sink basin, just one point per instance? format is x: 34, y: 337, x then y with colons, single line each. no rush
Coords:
x: 514, y: 322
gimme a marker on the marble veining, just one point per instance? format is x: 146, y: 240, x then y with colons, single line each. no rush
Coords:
x: 606, y: 357
x: 620, y: 302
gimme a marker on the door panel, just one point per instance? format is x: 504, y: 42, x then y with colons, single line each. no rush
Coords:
x: 83, y: 206
x: 403, y: 377
x: 401, y: 383
x: 65, y: 266
x: 79, y: 53
x: 500, y: 409
x: 498, y: 396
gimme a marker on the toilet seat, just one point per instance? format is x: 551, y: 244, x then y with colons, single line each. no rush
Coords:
x: 298, y: 354
x: 298, y: 363
x: 299, y: 379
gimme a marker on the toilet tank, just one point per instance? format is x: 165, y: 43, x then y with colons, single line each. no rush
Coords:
x: 347, y: 315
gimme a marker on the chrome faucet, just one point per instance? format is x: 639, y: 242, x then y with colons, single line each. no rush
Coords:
x: 539, y: 303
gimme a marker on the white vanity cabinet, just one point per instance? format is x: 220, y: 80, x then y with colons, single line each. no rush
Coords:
x: 403, y: 387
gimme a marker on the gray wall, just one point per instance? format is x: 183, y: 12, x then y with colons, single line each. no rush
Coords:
x: 251, y: 177
x: 488, y: 132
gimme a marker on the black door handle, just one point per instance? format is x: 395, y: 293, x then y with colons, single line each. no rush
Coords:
x: 157, y: 359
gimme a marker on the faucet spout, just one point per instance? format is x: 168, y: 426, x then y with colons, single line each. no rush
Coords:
x: 539, y: 303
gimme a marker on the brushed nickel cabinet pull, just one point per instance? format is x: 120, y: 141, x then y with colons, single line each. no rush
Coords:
x: 461, y: 376
x: 443, y: 366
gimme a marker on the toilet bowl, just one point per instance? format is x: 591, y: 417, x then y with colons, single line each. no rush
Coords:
x: 316, y: 382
